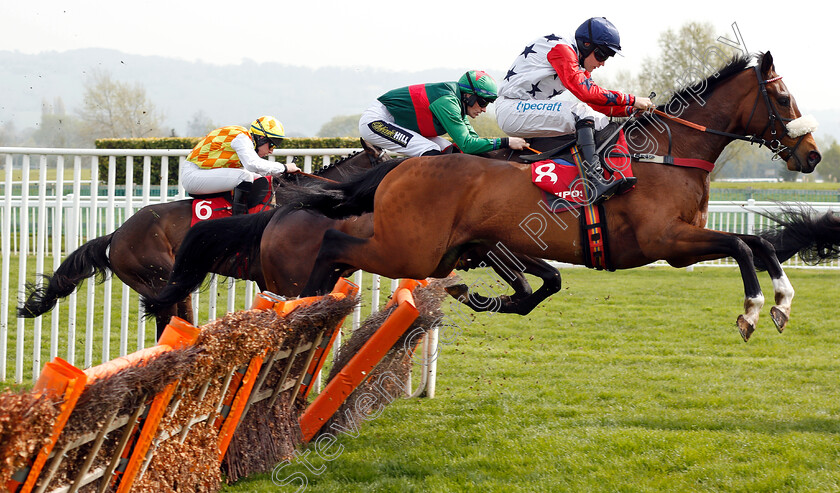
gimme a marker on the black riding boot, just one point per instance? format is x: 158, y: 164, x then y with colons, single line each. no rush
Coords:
x: 240, y: 198
x: 602, y: 188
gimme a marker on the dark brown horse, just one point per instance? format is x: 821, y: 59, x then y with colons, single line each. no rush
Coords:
x: 141, y: 252
x: 289, y: 240
x: 428, y: 210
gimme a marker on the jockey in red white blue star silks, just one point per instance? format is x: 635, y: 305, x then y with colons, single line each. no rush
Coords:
x: 549, y: 91
x: 549, y: 86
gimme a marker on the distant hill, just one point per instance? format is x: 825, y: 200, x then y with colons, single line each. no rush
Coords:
x: 302, y: 98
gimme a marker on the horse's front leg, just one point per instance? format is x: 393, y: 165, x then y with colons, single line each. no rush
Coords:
x: 687, y: 244
x: 763, y: 249
x: 511, y: 268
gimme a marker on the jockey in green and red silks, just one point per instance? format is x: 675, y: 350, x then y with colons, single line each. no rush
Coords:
x: 411, y: 120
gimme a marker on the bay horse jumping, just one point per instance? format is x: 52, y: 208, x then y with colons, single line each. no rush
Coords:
x: 429, y: 210
x: 141, y: 252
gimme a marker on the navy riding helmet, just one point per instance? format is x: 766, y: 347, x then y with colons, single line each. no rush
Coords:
x: 598, y: 34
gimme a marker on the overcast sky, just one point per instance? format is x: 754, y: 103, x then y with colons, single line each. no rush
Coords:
x: 406, y: 35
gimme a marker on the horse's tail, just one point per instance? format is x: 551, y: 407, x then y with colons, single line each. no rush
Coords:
x: 230, y: 241
x: 816, y: 238
x: 339, y: 200
x: 86, y: 261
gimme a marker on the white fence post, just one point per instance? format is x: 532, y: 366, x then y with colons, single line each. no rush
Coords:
x: 5, y: 248
x: 24, y: 251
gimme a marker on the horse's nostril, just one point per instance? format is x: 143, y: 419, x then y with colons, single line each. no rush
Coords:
x: 814, y: 158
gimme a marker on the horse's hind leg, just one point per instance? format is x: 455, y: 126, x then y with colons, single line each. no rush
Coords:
x: 763, y: 249
x: 327, y: 270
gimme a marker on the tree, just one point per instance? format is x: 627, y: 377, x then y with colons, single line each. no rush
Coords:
x: 686, y: 56
x: 8, y: 134
x: 485, y: 125
x: 114, y: 109
x: 341, y: 126
x: 57, y: 128
x: 200, y: 125
x: 829, y: 167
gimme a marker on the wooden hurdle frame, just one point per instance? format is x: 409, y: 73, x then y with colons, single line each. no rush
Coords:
x: 139, y: 434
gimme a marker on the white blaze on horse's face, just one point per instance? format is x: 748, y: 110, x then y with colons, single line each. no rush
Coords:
x: 802, y: 126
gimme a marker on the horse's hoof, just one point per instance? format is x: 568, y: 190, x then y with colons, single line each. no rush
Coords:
x: 745, y: 328
x: 779, y: 318
x: 458, y: 291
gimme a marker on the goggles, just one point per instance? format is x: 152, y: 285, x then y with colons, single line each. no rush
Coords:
x: 262, y: 139
x: 483, y: 102
x: 602, y: 53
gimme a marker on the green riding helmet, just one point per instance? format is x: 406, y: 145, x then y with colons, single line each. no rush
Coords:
x: 478, y: 86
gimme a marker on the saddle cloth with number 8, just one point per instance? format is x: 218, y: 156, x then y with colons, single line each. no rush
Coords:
x: 563, y: 177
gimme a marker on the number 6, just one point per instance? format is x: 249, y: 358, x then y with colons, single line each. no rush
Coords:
x: 203, y: 210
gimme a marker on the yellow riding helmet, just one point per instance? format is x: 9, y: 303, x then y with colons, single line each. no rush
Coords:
x: 267, y: 128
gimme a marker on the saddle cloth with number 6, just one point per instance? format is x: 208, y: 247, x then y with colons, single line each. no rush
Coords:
x: 563, y: 177
x: 218, y: 205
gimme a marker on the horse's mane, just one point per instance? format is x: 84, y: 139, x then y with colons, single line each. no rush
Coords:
x: 704, y: 88
x: 323, y: 169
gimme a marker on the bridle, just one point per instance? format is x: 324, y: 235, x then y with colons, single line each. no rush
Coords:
x: 773, y: 116
x: 374, y: 160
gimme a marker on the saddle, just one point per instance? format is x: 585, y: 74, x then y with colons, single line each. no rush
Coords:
x: 560, y: 178
x: 218, y: 205
x: 560, y: 145
x: 261, y: 187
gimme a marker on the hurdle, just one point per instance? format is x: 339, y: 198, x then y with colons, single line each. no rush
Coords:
x: 360, y: 366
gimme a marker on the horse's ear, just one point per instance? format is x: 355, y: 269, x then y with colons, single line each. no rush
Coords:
x: 369, y: 148
x: 766, y: 63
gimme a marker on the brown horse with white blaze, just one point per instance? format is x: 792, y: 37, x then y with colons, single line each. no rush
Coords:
x: 428, y: 210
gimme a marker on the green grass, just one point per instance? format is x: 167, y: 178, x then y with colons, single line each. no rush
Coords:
x: 52, y: 172
x: 783, y: 185
x: 627, y: 381
x: 776, y: 191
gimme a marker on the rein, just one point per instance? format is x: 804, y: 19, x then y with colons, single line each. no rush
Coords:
x: 310, y: 175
